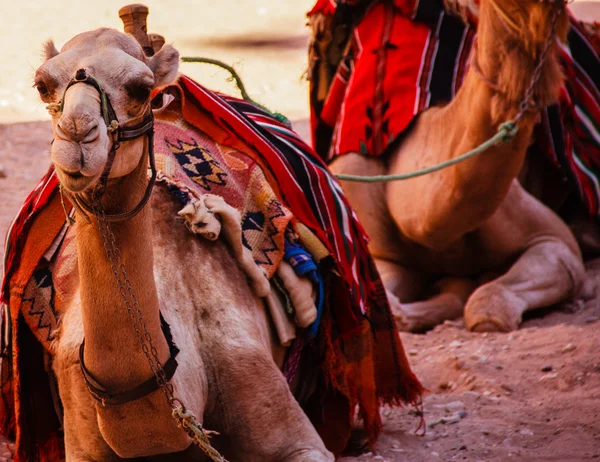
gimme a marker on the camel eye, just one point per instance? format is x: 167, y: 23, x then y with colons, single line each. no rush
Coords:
x: 41, y: 88
x: 138, y: 91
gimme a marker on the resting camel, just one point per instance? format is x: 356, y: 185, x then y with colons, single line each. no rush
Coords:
x: 469, y: 239
x: 215, y: 296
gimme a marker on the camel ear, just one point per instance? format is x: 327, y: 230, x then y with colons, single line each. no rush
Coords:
x: 50, y: 50
x: 165, y: 66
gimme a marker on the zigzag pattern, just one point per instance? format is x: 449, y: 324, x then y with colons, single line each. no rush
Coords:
x: 254, y: 221
x: 42, y: 281
x: 198, y: 163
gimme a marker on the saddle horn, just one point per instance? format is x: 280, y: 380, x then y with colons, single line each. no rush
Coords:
x: 134, y: 18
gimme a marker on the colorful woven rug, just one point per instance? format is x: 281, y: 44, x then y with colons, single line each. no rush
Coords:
x: 224, y: 146
x: 376, y: 64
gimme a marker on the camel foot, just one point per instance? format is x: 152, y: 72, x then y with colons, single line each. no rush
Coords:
x: 494, y: 308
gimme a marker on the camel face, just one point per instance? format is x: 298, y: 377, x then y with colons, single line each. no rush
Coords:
x: 82, y: 141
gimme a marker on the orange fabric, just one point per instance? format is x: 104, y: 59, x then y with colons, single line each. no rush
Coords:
x: 17, y: 422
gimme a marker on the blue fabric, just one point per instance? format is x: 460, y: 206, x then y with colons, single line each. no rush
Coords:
x: 305, y: 266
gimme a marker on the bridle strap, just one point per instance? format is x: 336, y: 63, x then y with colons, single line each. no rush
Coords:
x: 151, y: 385
x: 84, y: 205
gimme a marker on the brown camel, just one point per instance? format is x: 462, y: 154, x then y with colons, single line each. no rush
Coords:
x: 469, y: 238
x: 227, y: 374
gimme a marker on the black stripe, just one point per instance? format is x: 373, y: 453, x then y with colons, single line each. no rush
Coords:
x: 557, y: 130
x: 428, y: 11
x: 295, y: 162
x: 446, y: 59
x: 584, y: 55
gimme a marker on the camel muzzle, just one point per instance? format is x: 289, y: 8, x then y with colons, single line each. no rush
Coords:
x: 118, y: 134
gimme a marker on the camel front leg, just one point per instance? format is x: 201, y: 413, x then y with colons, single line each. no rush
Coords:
x: 447, y: 302
x: 262, y: 421
x: 548, y: 272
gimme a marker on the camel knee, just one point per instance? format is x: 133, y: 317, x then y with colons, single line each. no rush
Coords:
x: 302, y: 455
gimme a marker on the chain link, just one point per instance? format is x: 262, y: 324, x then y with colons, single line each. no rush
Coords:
x: 526, y: 104
x: 185, y: 419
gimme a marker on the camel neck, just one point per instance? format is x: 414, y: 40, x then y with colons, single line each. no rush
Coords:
x: 112, y: 350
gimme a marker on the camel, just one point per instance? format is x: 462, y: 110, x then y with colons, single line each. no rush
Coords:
x: 470, y: 239
x: 228, y: 371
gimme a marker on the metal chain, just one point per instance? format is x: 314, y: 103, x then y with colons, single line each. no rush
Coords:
x: 185, y: 419
x: 537, y: 73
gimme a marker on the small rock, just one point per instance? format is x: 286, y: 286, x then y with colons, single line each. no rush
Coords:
x: 569, y: 347
x: 462, y: 448
x: 558, y: 431
x: 455, y: 344
x: 499, y: 367
x: 2, y: 172
x: 446, y: 385
x: 454, y: 418
x: 526, y: 431
x: 546, y: 368
x: 563, y: 385
x: 472, y: 394
x: 591, y: 319
x: 506, y: 348
x: 545, y: 377
x: 487, y: 393
x: 485, y: 432
x: 452, y: 406
x: 507, y: 388
x: 412, y: 352
x: 435, y: 454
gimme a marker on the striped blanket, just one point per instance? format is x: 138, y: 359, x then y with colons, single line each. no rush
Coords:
x: 376, y: 64
x: 358, y: 355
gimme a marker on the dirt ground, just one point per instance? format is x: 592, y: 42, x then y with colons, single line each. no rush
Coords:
x: 532, y: 395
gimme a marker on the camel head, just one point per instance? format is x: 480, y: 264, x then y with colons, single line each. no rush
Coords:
x: 82, y: 139
x: 522, y: 29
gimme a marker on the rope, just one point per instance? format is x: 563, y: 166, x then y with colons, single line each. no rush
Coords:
x: 506, y: 133
x: 238, y: 82
x: 187, y: 421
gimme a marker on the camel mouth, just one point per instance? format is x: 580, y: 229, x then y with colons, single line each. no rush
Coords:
x: 74, y: 175
x: 75, y: 182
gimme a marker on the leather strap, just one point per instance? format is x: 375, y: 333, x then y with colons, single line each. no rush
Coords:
x: 105, y: 398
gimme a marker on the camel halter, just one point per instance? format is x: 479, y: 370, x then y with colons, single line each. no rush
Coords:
x: 118, y: 134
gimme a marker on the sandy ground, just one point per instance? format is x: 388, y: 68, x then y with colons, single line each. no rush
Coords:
x: 533, y: 395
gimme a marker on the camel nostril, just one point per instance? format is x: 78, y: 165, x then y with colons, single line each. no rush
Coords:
x: 91, y: 135
x: 61, y: 133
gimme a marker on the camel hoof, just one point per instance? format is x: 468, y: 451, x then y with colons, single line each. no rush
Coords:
x: 492, y: 308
